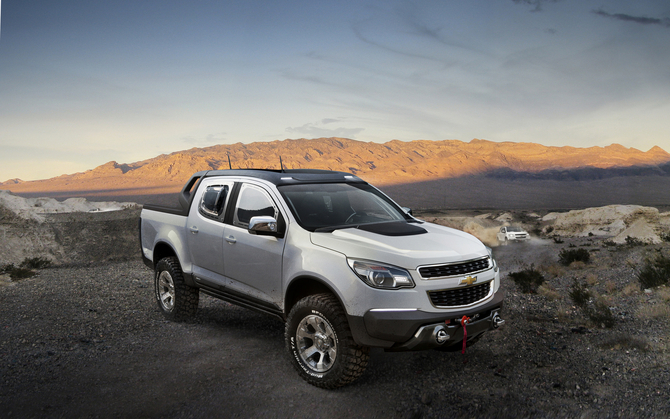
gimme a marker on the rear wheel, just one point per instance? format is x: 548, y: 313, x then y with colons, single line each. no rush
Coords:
x: 320, y: 343
x: 176, y: 299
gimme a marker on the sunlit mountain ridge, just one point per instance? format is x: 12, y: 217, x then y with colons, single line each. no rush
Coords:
x: 391, y: 163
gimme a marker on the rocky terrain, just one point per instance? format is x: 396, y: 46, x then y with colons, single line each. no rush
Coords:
x: 83, y: 338
x: 74, y: 231
x: 415, y: 169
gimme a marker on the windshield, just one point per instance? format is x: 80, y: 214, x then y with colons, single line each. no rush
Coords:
x: 328, y: 206
x: 514, y: 229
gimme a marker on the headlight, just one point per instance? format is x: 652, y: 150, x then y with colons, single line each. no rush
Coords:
x: 381, y: 276
x: 494, y: 265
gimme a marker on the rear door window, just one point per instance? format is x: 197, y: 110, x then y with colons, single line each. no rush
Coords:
x: 213, y: 201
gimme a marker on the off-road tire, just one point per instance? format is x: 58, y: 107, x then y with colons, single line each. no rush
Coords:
x: 176, y: 300
x: 324, y: 327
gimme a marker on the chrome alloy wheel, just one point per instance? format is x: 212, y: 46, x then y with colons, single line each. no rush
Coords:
x: 317, y: 344
x: 165, y: 290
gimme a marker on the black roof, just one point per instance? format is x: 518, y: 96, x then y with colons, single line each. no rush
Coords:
x: 286, y: 177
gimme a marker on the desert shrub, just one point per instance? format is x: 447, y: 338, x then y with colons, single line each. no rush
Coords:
x: 548, y: 292
x: 654, y: 272
x: 591, y: 279
x: 601, y: 314
x: 549, y: 229
x: 21, y: 273
x: 567, y: 256
x: 610, y: 286
x: 654, y: 312
x: 631, y: 289
x: 528, y: 279
x: 579, y: 294
x: 665, y: 237
x: 35, y: 263
x: 577, y: 265
x: 595, y: 309
x: 625, y: 341
x: 634, y: 241
x: 6, y: 268
x: 553, y: 271
x: 557, y: 239
x: 609, y: 243
x: 25, y: 269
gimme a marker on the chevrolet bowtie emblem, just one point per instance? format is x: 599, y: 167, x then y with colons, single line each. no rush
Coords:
x: 468, y: 280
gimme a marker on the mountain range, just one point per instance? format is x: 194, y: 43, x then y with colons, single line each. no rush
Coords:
x: 388, y: 164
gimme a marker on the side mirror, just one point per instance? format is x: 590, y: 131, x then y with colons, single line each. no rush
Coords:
x: 407, y: 210
x: 263, y: 226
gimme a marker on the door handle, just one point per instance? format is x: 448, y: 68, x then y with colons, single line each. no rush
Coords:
x: 194, y: 229
x: 231, y: 239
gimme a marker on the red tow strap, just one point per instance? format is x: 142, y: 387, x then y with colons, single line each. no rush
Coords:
x: 464, y: 322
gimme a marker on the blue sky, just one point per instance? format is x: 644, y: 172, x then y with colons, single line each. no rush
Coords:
x: 86, y: 82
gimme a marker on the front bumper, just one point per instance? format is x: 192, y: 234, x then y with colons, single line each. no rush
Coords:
x: 442, y: 334
x: 417, y: 330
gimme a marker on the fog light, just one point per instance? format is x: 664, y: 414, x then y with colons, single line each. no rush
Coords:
x: 441, y: 336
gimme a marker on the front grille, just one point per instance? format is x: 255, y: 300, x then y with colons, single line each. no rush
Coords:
x: 454, y: 269
x: 459, y: 296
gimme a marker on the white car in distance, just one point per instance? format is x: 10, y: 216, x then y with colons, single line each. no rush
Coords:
x: 509, y: 233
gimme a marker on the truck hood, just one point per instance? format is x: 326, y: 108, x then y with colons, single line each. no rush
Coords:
x: 437, y: 245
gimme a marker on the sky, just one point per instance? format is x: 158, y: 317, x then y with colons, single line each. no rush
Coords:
x: 87, y: 82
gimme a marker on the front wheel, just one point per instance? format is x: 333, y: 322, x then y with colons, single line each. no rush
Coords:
x: 176, y: 299
x: 320, y: 343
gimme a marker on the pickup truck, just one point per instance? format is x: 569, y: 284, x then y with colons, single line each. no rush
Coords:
x: 338, y: 261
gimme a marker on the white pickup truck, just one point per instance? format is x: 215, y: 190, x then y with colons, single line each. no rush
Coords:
x: 343, y: 265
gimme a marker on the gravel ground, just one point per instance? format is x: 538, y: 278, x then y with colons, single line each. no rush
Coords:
x: 90, y: 342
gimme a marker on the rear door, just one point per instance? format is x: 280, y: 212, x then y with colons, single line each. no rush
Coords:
x: 253, y: 262
x: 205, y: 229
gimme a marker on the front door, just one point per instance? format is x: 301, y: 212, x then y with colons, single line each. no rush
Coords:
x: 253, y: 263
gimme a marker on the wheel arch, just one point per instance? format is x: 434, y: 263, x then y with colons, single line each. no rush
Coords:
x: 162, y: 250
x: 304, y: 286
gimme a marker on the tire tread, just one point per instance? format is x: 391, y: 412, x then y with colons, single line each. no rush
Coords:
x: 354, y: 358
x: 187, y: 298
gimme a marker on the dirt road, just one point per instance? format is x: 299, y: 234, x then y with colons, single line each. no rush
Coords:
x: 90, y: 342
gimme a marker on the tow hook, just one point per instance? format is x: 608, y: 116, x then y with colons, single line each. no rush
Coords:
x: 497, y: 321
x: 441, y: 335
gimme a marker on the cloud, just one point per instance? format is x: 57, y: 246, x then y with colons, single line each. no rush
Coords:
x: 635, y: 19
x: 537, y: 3
x: 358, y: 32
x: 316, y: 130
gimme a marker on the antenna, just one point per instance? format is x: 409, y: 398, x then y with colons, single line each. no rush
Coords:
x: 281, y: 164
x: 230, y: 166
